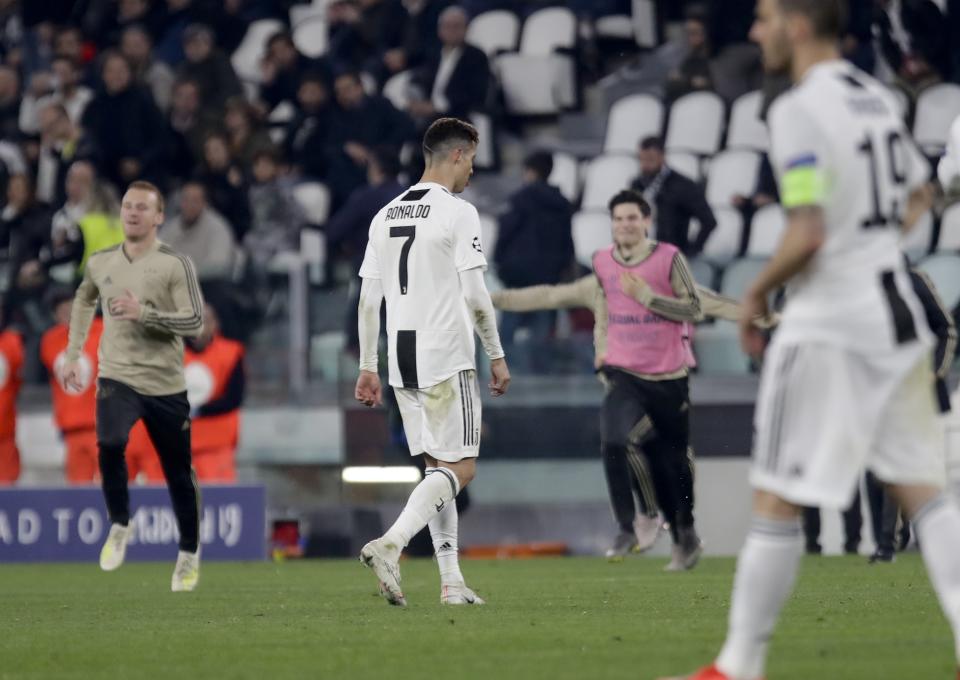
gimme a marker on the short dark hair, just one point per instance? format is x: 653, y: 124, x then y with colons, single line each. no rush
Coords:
x: 540, y: 163
x: 281, y: 35
x: 652, y: 142
x: 630, y: 196
x: 270, y: 153
x: 447, y: 133
x: 385, y: 158
x: 828, y: 17
x: 148, y: 186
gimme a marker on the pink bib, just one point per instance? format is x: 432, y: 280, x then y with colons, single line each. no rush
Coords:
x: 638, y: 339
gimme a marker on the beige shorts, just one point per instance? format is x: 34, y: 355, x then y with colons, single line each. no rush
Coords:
x: 443, y: 420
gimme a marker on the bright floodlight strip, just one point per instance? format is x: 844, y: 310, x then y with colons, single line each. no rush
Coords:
x: 372, y: 474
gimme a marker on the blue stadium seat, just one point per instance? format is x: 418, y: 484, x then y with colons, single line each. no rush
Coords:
x: 944, y: 270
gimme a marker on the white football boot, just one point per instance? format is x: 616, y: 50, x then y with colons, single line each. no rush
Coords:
x: 384, y: 560
x: 186, y: 574
x: 115, y: 547
x: 459, y: 593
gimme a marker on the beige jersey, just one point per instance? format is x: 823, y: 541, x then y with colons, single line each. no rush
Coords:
x: 147, y: 354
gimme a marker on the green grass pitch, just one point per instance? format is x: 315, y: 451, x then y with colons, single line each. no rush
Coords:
x: 559, y: 618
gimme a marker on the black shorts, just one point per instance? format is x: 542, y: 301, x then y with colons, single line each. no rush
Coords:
x: 636, y: 411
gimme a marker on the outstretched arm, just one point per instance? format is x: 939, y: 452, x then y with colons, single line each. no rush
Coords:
x: 580, y: 293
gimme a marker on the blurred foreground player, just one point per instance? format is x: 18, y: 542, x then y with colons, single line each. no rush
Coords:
x: 151, y: 301
x: 11, y: 363
x: 425, y: 258
x: 847, y: 382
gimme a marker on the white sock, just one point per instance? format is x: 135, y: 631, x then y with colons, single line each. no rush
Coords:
x: 766, y: 571
x: 938, y: 530
x: 443, y: 530
x: 437, y: 490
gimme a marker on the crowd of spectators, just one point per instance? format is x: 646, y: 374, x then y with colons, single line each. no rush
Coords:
x: 97, y: 93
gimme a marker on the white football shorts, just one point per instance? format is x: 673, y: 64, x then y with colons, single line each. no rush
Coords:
x: 824, y: 413
x: 443, y: 420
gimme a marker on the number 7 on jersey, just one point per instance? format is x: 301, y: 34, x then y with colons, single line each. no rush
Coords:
x: 409, y: 233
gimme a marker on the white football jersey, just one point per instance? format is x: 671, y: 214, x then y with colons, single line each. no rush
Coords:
x: 419, y: 243
x: 838, y: 143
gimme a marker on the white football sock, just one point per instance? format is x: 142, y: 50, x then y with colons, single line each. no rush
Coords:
x: 766, y: 571
x: 443, y: 530
x: 938, y: 531
x: 437, y: 490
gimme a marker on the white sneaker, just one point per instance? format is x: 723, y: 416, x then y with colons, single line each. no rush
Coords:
x: 115, y: 547
x: 647, y: 530
x: 384, y: 559
x: 459, y: 593
x: 186, y: 574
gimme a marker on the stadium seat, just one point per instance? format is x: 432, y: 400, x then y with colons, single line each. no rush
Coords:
x: 604, y: 177
x: 918, y: 241
x: 300, y: 14
x: 314, y: 199
x: 631, y: 119
x: 486, y: 157
x: 494, y: 32
x: 944, y: 270
x: 747, y: 131
x: 696, y: 123
x: 591, y: 232
x: 645, y: 23
x: 687, y: 164
x: 949, y: 240
x: 703, y: 272
x: 313, y: 251
x: 766, y: 230
x: 548, y: 30
x: 732, y: 173
x: 726, y: 239
x: 740, y: 275
x: 397, y: 89
x: 937, y: 107
x: 246, y: 58
x: 310, y: 37
x: 615, y: 26
x: 717, y: 349
x: 489, y: 230
x: 536, y: 85
x: 566, y: 175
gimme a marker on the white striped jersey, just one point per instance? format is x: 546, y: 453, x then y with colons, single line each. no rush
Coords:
x: 838, y: 143
x: 419, y: 243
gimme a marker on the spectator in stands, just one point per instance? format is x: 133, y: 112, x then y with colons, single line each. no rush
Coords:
x: 187, y: 126
x: 202, y: 234
x: 225, y: 183
x: 347, y: 230
x: 61, y: 143
x: 209, y: 67
x: 60, y: 85
x: 24, y: 224
x: 109, y: 27
x: 852, y: 526
x: 764, y: 194
x: 124, y: 124
x: 534, y: 246
x: 9, y: 103
x: 88, y: 221
x: 245, y: 133
x: 213, y: 369
x: 857, y: 42
x: 137, y: 46
x: 276, y: 217
x: 913, y: 41
x: 68, y: 42
x: 358, y: 124
x: 420, y: 38
x: 455, y: 81
x: 676, y: 199
x: 362, y: 30
x: 11, y: 350
x: 305, y: 141
x: 693, y: 74
x: 283, y: 69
